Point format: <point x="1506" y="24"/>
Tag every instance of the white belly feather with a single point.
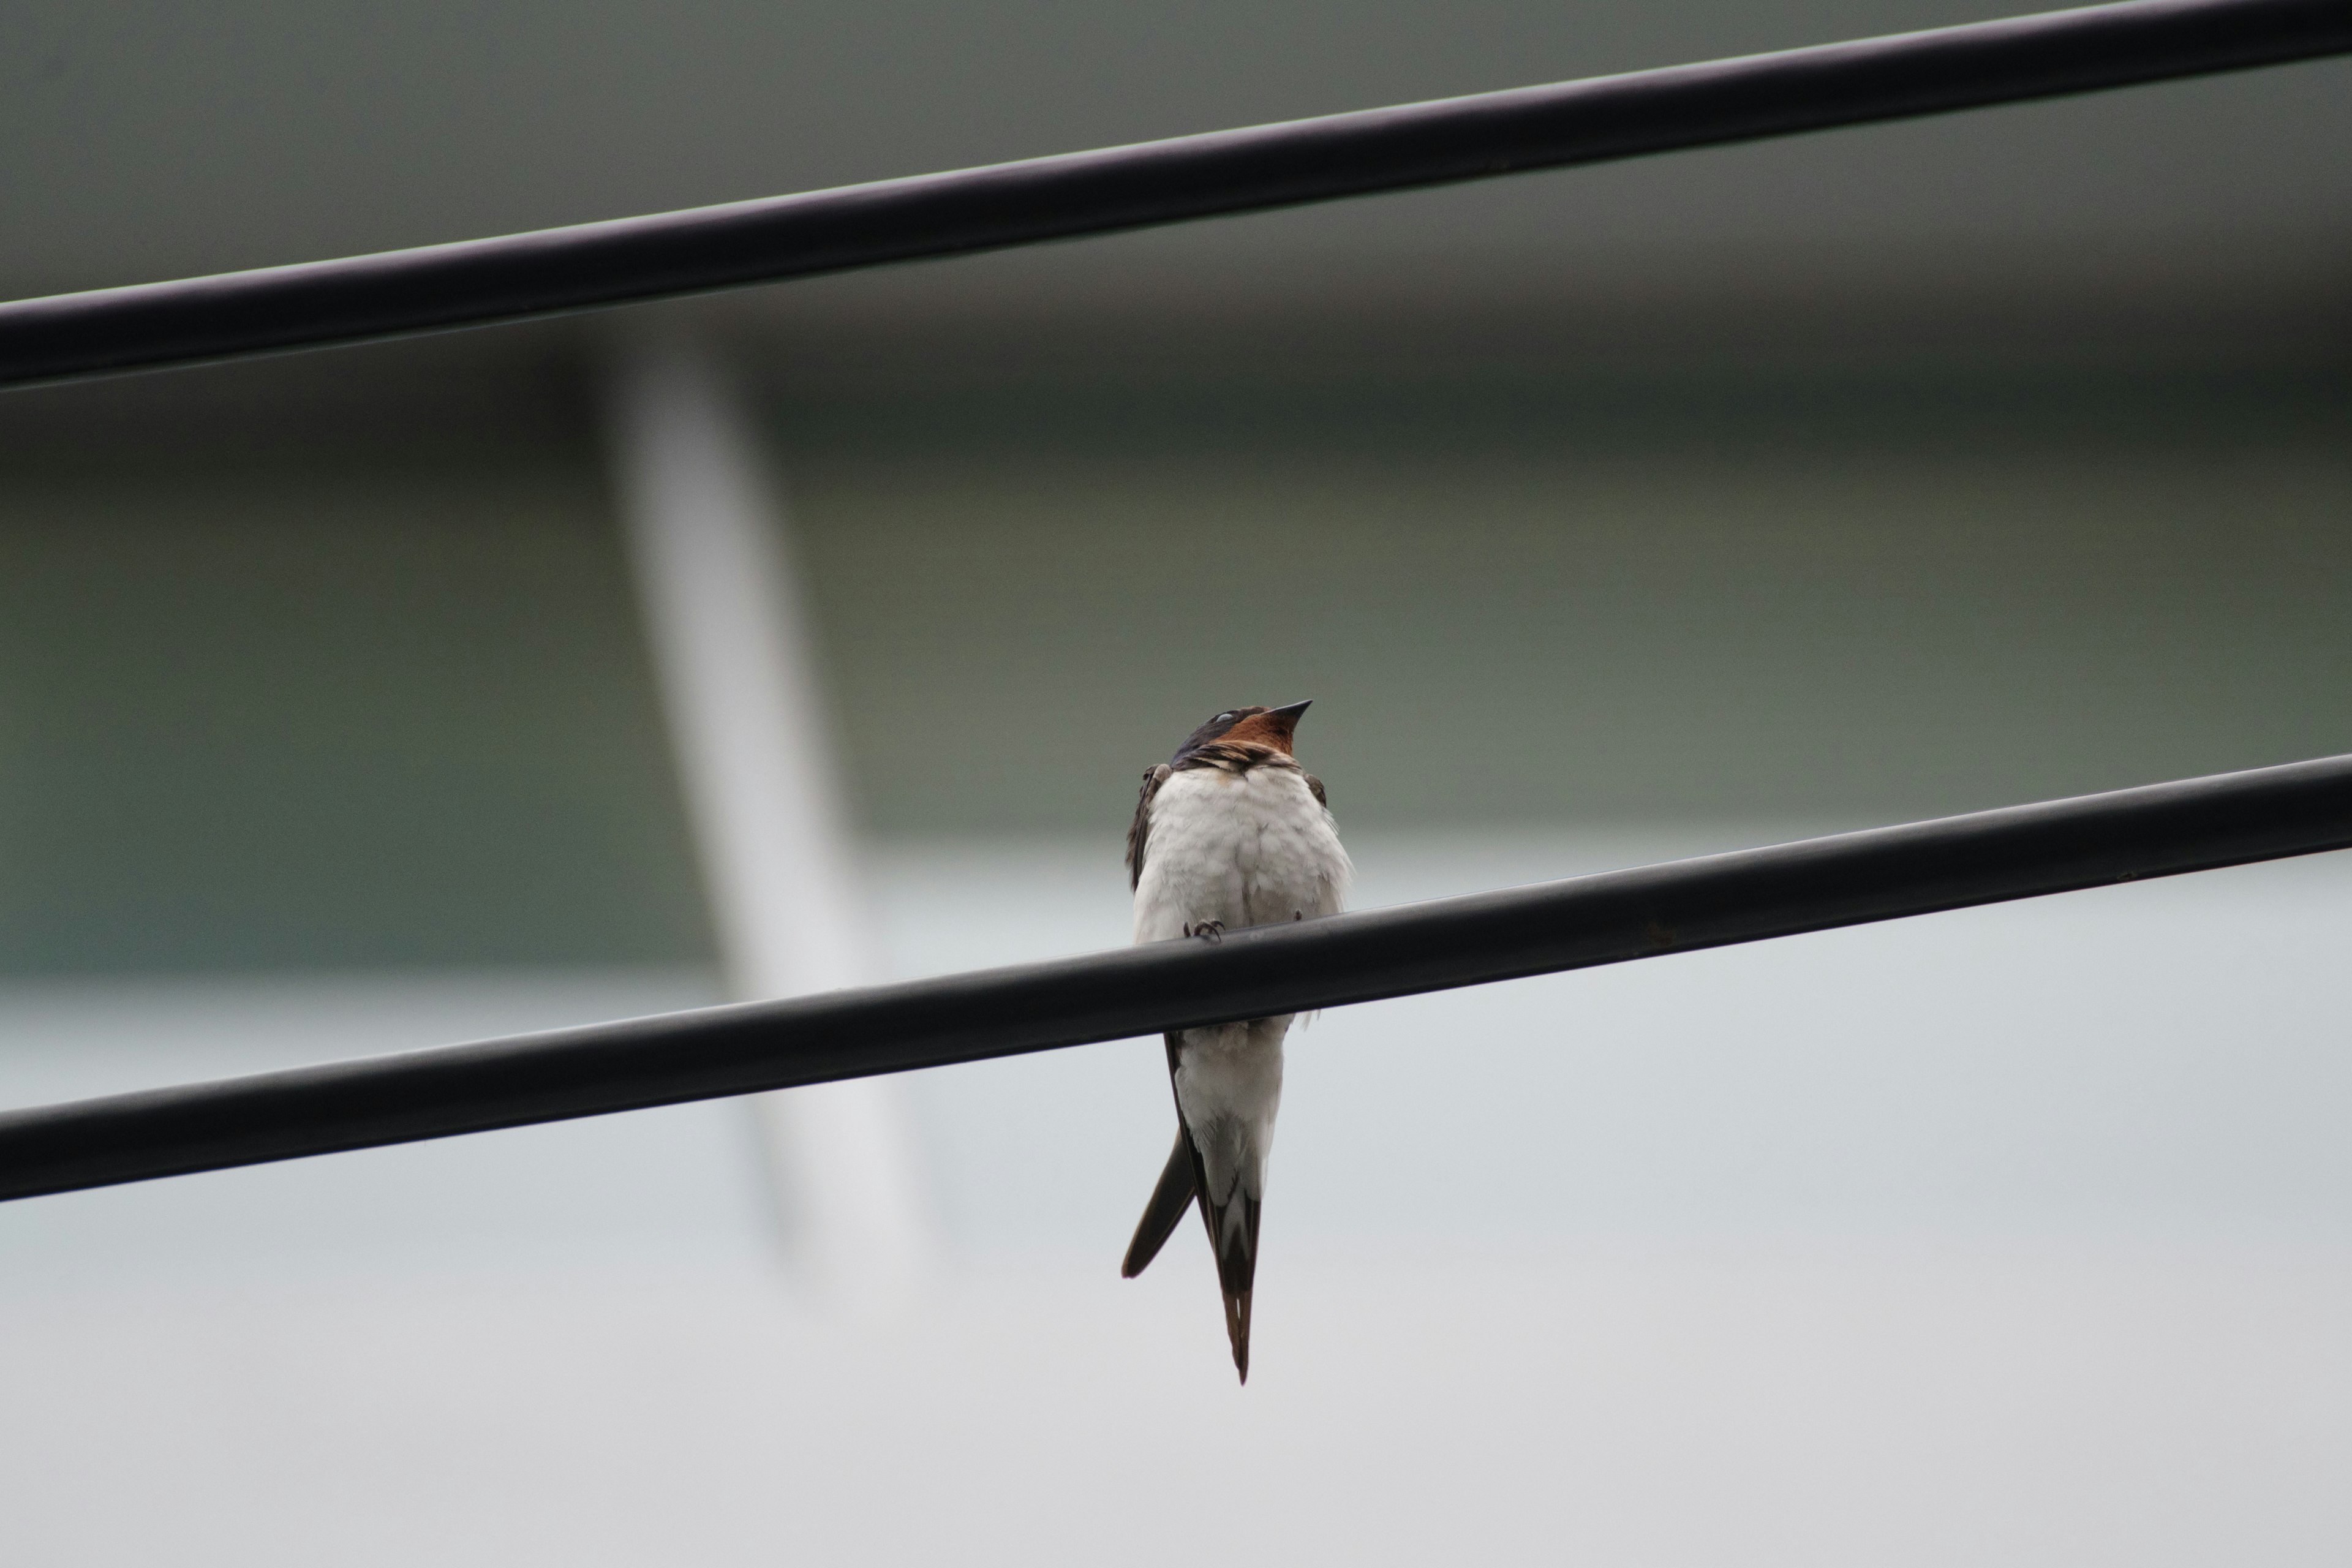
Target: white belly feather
<point x="1248" y="848"/>
<point x="1242" y="849"/>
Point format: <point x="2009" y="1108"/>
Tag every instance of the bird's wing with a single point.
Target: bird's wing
<point x="1178" y="1182"/>
<point x="1169" y="1199"/>
<point x="1139" y="832"/>
<point x="1314" y="788"/>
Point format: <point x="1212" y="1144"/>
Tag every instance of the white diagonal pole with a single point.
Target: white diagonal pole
<point x="706" y="524"/>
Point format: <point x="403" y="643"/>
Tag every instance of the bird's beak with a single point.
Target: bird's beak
<point x="1291" y="712"/>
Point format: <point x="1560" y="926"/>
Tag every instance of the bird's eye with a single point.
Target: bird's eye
<point x="1223" y="719"/>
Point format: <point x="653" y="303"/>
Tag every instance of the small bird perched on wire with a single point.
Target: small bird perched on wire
<point x="1230" y="832"/>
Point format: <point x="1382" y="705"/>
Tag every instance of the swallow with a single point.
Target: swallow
<point x="1229" y="832"/>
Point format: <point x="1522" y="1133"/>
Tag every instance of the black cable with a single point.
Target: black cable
<point x="479" y="281"/>
<point x="1816" y="885"/>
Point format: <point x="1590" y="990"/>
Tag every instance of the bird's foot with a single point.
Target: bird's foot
<point x="1209" y="930"/>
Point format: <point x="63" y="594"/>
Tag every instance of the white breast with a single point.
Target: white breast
<point x="1246" y="848"/>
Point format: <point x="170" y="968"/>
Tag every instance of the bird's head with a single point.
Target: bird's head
<point x="1245" y="726"/>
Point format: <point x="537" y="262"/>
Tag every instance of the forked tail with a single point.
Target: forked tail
<point x="1232" y="1233"/>
<point x="1168" y="1200"/>
<point x="1232" y="1238"/>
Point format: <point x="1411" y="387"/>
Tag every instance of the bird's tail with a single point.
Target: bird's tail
<point x="1168" y="1200"/>
<point x="1232" y="1238"/>
<point x="1233" y="1235"/>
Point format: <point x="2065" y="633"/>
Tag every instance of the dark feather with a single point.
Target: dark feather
<point x="1139" y="832"/>
<point x="1209" y="733"/>
<point x="1169" y="1199"/>
<point x="1233" y="1238"/>
<point x="1314" y="788"/>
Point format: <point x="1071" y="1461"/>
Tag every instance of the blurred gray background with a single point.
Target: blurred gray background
<point x="1606" y="515"/>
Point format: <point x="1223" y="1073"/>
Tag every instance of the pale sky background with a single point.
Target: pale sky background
<point x="1606" y="516"/>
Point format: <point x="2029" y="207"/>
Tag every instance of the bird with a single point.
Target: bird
<point x="1229" y="832"/>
